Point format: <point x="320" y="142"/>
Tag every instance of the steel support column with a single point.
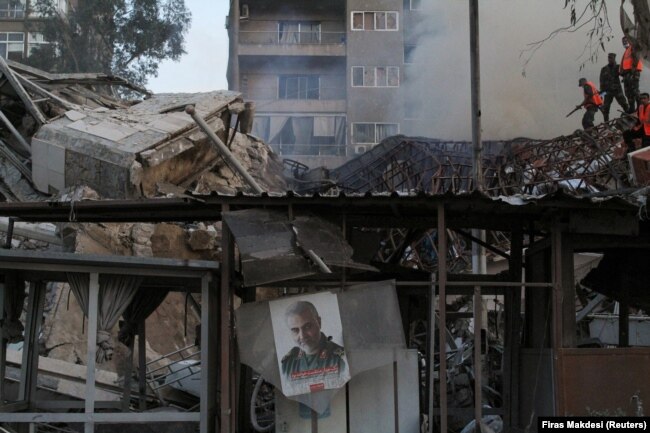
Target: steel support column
<point x="3" y="341"/>
<point x="93" y="316"/>
<point x="225" y="319"/>
<point x="142" y="365"/>
<point x="512" y="306"/>
<point x="442" y="313"/>
<point x="209" y="316"/>
<point x="29" y="367"/>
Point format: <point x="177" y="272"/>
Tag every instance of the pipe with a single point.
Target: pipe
<point x="321" y="264"/>
<point x="15" y="132"/>
<point x="223" y="149"/>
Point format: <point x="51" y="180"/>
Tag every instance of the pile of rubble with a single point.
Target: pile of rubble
<point x="74" y="137"/>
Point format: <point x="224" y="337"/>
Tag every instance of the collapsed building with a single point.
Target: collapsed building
<point x="156" y="210"/>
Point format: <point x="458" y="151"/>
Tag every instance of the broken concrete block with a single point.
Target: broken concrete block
<point x="202" y="240"/>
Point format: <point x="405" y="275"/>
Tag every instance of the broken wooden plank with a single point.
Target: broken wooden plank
<point x="22" y="94"/>
<point x="41" y="91"/>
<point x="7" y="153"/>
<point x="15" y="132"/>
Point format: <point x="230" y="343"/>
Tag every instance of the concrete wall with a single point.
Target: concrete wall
<point x="261" y="63"/>
<point x="374" y="48"/>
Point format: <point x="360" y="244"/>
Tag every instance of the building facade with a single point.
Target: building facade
<point x="19" y="27"/>
<point x="327" y="77"/>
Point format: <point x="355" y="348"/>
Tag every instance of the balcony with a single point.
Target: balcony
<point x="275" y="43"/>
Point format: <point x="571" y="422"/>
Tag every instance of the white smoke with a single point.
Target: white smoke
<point x="512" y="105"/>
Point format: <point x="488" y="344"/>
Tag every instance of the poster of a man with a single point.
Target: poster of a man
<point x="310" y="359"/>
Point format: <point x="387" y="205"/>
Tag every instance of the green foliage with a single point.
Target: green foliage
<point x="121" y="37"/>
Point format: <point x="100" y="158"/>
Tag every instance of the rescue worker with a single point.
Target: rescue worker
<point x="591" y="103"/>
<point x="630" y="70"/>
<point x="315" y="355"/>
<point x="610" y="86"/>
<point x="642" y="128"/>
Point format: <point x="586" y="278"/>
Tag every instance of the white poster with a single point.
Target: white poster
<point x="309" y="342"/>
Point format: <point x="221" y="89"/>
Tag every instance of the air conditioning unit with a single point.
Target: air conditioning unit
<point x="244" y="12"/>
<point x="359" y="149"/>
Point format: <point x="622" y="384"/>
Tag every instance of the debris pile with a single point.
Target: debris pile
<point x="74" y="137"/>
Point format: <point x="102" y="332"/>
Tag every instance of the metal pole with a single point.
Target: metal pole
<point x="478" y="252"/>
<point x="223" y="149"/>
<point x="442" y="314"/>
<point x="477" y="172"/>
<point x="19" y="138"/>
<point x="233" y="33"/>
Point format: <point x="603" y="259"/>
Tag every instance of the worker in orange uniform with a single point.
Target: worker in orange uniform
<point x="630" y="70"/>
<point x="642" y="128"/>
<point x="591" y="103"/>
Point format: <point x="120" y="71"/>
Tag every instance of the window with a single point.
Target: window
<point x="299" y="87"/>
<point x="375" y="76"/>
<point x="409" y="53"/>
<point x="35" y="40"/>
<point x="413" y="5"/>
<point x="12" y="9"/>
<point x="12" y="45"/>
<point x="373" y="133"/>
<point x="299" y="32"/>
<point x="380" y="21"/>
<point x="303" y="135"/>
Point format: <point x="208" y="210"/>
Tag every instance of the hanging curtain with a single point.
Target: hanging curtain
<point x="143" y="304"/>
<point x="289" y="33"/>
<point x="12" y="328"/>
<point x="261" y="125"/>
<point x="324" y="126"/>
<point x="276" y="126"/>
<point x="115" y="294"/>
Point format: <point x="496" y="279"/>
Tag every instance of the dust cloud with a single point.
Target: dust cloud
<point x="513" y="105"/>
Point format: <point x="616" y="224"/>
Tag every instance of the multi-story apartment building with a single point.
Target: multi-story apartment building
<point x="327" y="77"/>
<point x="18" y="28"/>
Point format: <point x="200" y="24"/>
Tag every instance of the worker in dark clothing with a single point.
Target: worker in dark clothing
<point x="630" y="70"/>
<point x="642" y="128"/>
<point x="610" y="86"/>
<point x="591" y="102"/>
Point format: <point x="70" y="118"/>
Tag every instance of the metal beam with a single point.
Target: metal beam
<point x="442" y="313"/>
<point x="22" y="94"/>
<point x="102" y="418"/>
<point x="3" y="341"/>
<point x="225" y="366"/>
<point x="223" y="150"/>
<point x="209" y="315"/>
<point x="29" y="367"/>
<point x="19" y="138"/>
<point x="142" y="365"/>
<point x="93" y="316"/>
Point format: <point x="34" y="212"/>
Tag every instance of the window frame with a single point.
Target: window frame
<point x="7" y="42"/>
<point x="354" y="124"/>
<point x="386" y="15"/>
<point x="14" y="13"/>
<point x="306" y="78"/>
<point x="319" y="33"/>
<point x="35" y="44"/>
<point x="376" y="85"/>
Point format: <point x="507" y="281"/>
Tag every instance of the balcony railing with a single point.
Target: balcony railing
<point x="291" y="38"/>
<point x="309" y="149"/>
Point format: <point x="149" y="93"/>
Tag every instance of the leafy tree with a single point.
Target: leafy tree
<point x="128" y="38"/>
